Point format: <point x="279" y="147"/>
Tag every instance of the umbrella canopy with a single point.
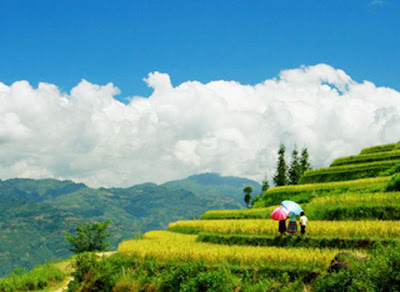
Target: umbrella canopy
<point x="279" y="214"/>
<point x="292" y="207"/>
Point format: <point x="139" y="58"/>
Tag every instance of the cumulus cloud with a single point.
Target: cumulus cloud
<point x="222" y="126"/>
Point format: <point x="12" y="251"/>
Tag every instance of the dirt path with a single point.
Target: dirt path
<point x="70" y="278"/>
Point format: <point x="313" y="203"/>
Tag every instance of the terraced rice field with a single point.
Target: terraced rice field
<point x="166" y="245"/>
<point x="345" y="229"/>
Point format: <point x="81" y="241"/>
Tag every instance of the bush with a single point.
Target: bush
<point x="381" y="272"/>
<point x="394" y="184"/>
<point x="39" y="278"/>
<point x="89" y="237"/>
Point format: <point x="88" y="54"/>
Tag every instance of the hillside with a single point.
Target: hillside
<point x="353" y="218"/>
<point x="34" y="213"/>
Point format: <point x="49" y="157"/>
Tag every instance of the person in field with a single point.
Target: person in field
<point x="303" y="223"/>
<point x="292" y="228"/>
<point x="282" y="227"/>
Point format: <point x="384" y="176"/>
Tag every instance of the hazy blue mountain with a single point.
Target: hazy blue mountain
<point x="34" y="213"/>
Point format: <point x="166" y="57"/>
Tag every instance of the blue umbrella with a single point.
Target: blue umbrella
<point x="292" y="207"/>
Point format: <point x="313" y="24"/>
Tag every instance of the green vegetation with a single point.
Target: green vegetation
<point x="132" y="273"/>
<point x="305" y="193"/>
<point x="347" y="172"/>
<point x="280" y="177"/>
<point x="247" y="195"/>
<point x="40" y="277"/>
<point x="291" y="241"/>
<point x="379" y="148"/>
<point x="34" y="213"/>
<point x="89" y="237"/>
<point x="261" y="213"/>
<point x="373" y="157"/>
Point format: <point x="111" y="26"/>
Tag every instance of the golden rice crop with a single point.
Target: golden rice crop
<point x="166" y="245"/>
<point x="329" y="185"/>
<point x="357" y="199"/>
<point x="254" y="211"/>
<point x="345" y="229"/>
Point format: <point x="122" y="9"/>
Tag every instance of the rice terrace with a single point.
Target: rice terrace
<point x="351" y="241"/>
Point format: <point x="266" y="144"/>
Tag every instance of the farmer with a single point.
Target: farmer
<point x="292" y="228"/>
<point x="282" y="227"/>
<point x="303" y="223"/>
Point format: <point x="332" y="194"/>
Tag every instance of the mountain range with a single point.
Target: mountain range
<point x="35" y="213"/>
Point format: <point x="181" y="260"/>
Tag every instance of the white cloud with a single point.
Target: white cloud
<point x="377" y="3"/>
<point x="221" y="126"/>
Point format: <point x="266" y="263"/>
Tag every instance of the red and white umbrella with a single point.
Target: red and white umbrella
<point x="279" y="214"/>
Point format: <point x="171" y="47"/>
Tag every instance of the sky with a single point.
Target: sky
<point x="114" y="93"/>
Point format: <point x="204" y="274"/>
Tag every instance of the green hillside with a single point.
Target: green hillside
<point x="353" y="218"/>
<point x="34" y="213"/>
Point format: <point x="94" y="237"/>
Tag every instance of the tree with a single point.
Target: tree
<point x="305" y="163"/>
<point x="247" y="196"/>
<point x="294" y="172"/>
<point x="280" y="178"/>
<point x="265" y="184"/>
<point x="89" y="237"/>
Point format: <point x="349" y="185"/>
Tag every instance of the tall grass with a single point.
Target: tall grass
<point x="39" y="278"/>
<point x="347" y="172"/>
<point x="373" y="157"/>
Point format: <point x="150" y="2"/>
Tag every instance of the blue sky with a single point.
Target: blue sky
<point x="61" y="42"/>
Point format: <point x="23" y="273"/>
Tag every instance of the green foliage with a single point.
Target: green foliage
<point x="373" y="157"/>
<point x="305" y="163"/>
<point x="280" y="178"/>
<point x="346" y="172"/>
<point x="391" y="171"/>
<point x="291" y="241"/>
<point x="394" y="184"/>
<point x="265" y="184"/>
<point x="132" y="273"/>
<point x="294" y="172"/>
<point x="89" y="237"/>
<point x="380" y="148"/>
<point x="39" y="278"/>
<point x="247" y="197"/>
<point x="380" y="272"/>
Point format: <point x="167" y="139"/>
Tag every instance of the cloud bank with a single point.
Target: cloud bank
<point x="222" y="126"/>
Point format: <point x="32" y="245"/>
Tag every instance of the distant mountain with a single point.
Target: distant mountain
<point x="34" y="213"/>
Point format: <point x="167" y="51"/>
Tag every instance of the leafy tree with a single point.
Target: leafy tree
<point x="294" y="172"/>
<point x="305" y="163"/>
<point x="247" y="196"/>
<point x="280" y="178"/>
<point x="89" y="237"/>
<point x="265" y="184"/>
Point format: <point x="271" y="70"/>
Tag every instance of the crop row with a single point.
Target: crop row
<point x="291" y="241"/>
<point x="380" y="148"/>
<point x="305" y="193"/>
<point x="345" y="229"/>
<point x="382" y="206"/>
<point x="254" y="213"/>
<point x="373" y="157"/>
<point x="347" y="172"/>
<point x="165" y="245"/>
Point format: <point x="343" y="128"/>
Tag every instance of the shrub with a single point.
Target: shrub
<point x="394" y="184"/>
<point x="40" y="277"/>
